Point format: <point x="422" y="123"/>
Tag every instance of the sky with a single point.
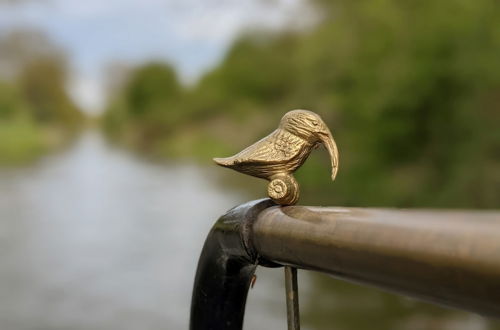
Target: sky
<point x="192" y="35"/>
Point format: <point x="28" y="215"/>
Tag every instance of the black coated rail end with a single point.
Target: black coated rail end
<point x="225" y="269"/>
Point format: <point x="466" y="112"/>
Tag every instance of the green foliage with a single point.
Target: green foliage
<point x="147" y="110"/>
<point x="256" y="70"/>
<point x="152" y="87"/>
<point x="36" y="112"/>
<point x="42" y="83"/>
<point x="411" y="90"/>
<point x="20" y="141"/>
<point x="11" y="104"/>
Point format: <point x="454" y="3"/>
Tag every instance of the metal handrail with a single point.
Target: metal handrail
<point x="225" y="269"/>
<point x="450" y="258"/>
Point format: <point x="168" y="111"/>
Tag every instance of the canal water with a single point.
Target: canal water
<point x="96" y="238"/>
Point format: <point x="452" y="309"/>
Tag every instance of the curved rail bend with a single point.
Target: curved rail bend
<point x="225" y="269"/>
<point x="450" y="258"/>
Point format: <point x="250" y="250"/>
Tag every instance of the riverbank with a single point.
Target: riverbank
<point x="22" y="142"/>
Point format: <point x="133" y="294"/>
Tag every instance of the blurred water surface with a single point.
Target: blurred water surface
<point x="95" y="238"/>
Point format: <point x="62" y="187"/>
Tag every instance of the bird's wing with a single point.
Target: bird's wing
<point x="279" y="146"/>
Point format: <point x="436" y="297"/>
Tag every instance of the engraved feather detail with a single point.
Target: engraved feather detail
<point x="282" y="152"/>
<point x="277" y="147"/>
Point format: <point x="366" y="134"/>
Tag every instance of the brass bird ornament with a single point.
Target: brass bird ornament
<point x="282" y="152"/>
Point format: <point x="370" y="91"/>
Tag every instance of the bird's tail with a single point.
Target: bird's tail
<point x="223" y="161"/>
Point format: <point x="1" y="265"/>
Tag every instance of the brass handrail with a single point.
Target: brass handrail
<point x="447" y="257"/>
<point x="450" y="258"/>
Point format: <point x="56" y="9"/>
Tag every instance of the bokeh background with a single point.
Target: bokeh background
<point x="110" y="113"/>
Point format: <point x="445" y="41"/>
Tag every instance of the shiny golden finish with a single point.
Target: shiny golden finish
<point x="282" y="152"/>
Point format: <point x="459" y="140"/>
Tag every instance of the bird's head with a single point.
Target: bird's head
<point x="309" y="126"/>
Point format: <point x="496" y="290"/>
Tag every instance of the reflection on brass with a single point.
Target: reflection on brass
<point x="446" y="257"/>
<point x="282" y="152"/>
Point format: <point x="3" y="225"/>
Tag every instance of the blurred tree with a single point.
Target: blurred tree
<point x="29" y="59"/>
<point x="43" y="84"/>
<point x="413" y="78"/>
<point x="36" y="111"/>
<point x="11" y="103"/>
<point x="146" y="110"/>
<point x="256" y="70"/>
<point x="150" y="88"/>
<point x="19" y="47"/>
<point x="410" y="90"/>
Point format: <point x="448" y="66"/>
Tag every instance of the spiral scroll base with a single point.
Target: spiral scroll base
<point x="283" y="189"/>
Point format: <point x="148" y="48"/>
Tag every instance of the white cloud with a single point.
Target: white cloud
<point x="87" y="91"/>
<point x="191" y="34"/>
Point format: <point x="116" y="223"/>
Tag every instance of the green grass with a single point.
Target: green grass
<point x="21" y="141"/>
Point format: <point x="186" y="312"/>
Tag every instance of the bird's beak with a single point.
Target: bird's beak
<point x="330" y="145"/>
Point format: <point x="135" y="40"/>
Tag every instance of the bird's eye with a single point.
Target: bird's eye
<point x="314" y="122"/>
